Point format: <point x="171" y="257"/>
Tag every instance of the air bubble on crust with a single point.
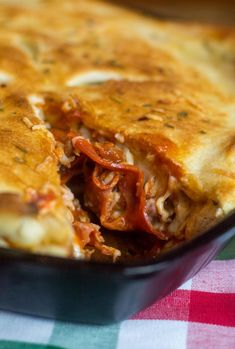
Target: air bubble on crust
<point x="5" y="78"/>
<point x="93" y="77"/>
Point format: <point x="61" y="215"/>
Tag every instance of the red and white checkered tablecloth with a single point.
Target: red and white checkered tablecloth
<point x="200" y="314"/>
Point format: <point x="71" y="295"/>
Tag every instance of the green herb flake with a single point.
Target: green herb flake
<point x="46" y="71"/>
<point x="96" y="44"/>
<point x="206" y="121"/>
<point x="143" y="118"/>
<point x="116" y="100"/>
<point x="147" y="105"/>
<point x="182" y="114"/>
<point x="19" y="160"/>
<point x="207" y="45"/>
<point x="115" y="63"/>
<point x="32" y="47"/>
<point x="93" y="83"/>
<point x="48" y="61"/>
<point x="21" y="148"/>
<point x="96" y="62"/>
<point x="169" y="126"/>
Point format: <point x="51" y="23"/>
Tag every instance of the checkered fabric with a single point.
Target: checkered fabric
<point x="199" y="315"/>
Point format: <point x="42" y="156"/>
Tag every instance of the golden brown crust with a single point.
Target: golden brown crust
<point x="24" y="150"/>
<point x="52" y="41"/>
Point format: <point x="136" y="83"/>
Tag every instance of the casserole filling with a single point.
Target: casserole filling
<point x="123" y="198"/>
<point x="125" y="189"/>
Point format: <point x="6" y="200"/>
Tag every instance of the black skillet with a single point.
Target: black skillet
<point x="102" y="292"/>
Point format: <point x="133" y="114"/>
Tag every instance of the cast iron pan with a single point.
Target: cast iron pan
<point x="98" y="292"/>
